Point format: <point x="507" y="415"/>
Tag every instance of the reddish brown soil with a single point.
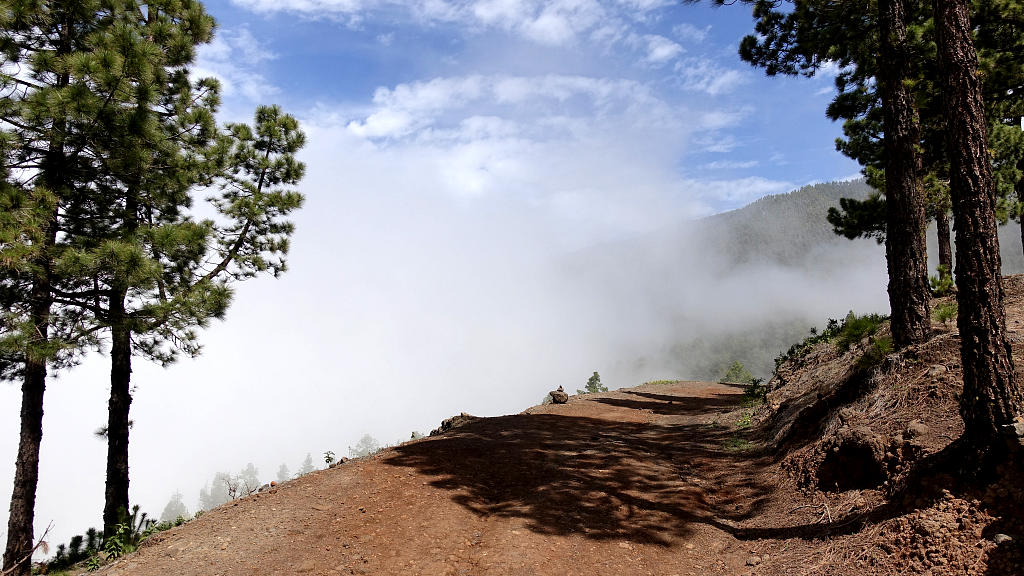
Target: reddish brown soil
<point x="637" y="481"/>
<point x="660" y="479"/>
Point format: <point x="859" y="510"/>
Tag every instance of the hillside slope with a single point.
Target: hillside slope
<point x="847" y="469"/>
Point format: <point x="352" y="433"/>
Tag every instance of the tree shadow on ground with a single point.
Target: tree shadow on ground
<point x="666" y="405"/>
<point x="598" y="478"/>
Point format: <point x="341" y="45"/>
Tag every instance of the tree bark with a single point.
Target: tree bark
<point x="945" y="246"/>
<point x="991" y="398"/>
<point x="115" y="506"/>
<point x="20" y="530"/>
<point x="18" y="554"/>
<point x="1019" y="189"/>
<point x="906" y="247"/>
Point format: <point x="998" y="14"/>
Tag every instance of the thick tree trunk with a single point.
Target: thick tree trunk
<point x="20" y="532"/>
<point x="906" y="247"/>
<point x="115" y="505"/>
<point x="945" y="248"/>
<point x="17" y="556"/>
<point x="1019" y="188"/>
<point x="991" y="398"/>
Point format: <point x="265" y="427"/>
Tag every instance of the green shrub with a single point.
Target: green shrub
<point x="942" y="285"/>
<point x="850" y="331"/>
<point x="856" y="328"/>
<point x="876" y="352"/>
<point x="746" y="420"/>
<point x="945" y="311"/>
<point x="755" y="390"/>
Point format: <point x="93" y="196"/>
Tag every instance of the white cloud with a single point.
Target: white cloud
<point x="703" y="75"/>
<point x="235" y="58"/>
<point x="690" y="33"/>
<point x="738" y="192"/>
<point x="546" y="22"/>
<point x="731" y="164"/>
<point x="551" y="104"/>
<point x="661" y="50"/>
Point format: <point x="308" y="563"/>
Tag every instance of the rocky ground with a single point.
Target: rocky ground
<point x="848" y="468"/>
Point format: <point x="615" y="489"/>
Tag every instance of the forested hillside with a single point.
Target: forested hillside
<point x="744" y="285"/>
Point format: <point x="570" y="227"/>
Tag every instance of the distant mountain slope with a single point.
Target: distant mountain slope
<point x="783" y="228"/>
<point x="743" y="285"/>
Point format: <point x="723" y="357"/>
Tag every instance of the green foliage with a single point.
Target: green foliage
<point x="660" y="382"/>
<point x="801" y="348"/>
<point x="755" y="391"/>
<point x="737" y="444"/>
<point x="859" y="218"/>
<point x="856" y="328"/>
<point x="945" y="311"/>
<point x="736" y="374"/>
<point x="850" y="331"/>
<point x="329" y="457"/>
<point x="942" y="284"/>
<point x="746" y="420"/>
<point x="128" y="534"/>
<point x="877" y="350"/>
<point x="593" y="385"/>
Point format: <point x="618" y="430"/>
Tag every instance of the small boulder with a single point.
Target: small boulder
<point x="915" y="429"/>
<point x="559" y="396"/>
<point x="1001" y="539"/>
<point x="453" y="423"/>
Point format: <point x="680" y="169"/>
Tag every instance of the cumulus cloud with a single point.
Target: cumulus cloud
<point x="235" y="58"/>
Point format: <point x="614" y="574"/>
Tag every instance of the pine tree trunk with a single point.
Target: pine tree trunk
<point x="945" y="247"/>
<point x="991" y="398"/>
<point x="1019" y="188"/>
<point x="115" y="505"/>
<point x="20" y="530"/>
<point x="17" y="557"/>
<point x="906" y="247"/>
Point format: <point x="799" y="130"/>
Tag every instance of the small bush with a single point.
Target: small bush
<point x="746" y="420"/>
<point x="856" y="328"/>
<point x="737" y="444"/>
<point x="756" y="390"/>
<point x="945" y="311"/>
<point x="942" y="285"/>
<point x="876" y="352"/>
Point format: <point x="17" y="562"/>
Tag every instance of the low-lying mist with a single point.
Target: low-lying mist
<point x="402" y="309"/>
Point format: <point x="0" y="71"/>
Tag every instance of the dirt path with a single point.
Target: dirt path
<point x="649" y="480"/>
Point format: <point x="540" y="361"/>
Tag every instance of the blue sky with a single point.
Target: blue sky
<point x="650" y="77"/>
<point x="460" y="153"/>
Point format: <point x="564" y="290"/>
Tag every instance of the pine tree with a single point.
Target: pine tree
<point x="53" y="96"/>
<point x="307" y="465"/>
<point x="992" y="400"/>
<point x="174" y="509"/>
<point x="283" y="474"/>
<point x="868" y="41"/>
<point x="593" y="385"/>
